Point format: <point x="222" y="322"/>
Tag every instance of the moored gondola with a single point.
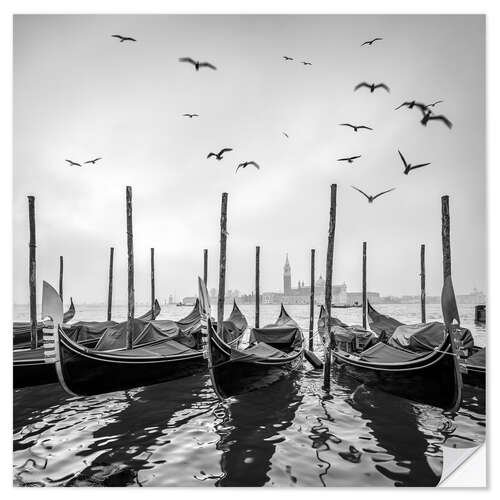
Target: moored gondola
<point x="22" y="329"/>
<point x="161" y="350"/>
<point x="426" y="370"/>
<point x="273" y="352"/>
<point x="31" y="366"/>
<point x="472" y="358"/>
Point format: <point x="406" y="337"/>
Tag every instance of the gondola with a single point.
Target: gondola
<point x="273" y="352"/>
<point x="22" y="329"/>
<point x="30" y="365"/>
<point x="161" y="350"/>
<point x="473" y="358"/>
<point x="428" y="374"/>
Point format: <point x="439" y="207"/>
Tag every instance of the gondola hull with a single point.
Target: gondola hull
<point x="432" y="379"/>
<point x="85" y="373"/>
<point x="233" y="377"/>
<point x="30" y="369"/>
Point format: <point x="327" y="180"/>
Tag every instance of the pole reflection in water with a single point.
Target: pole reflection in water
<point x="251" y="429"/>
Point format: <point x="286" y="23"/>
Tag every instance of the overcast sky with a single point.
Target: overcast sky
<point x="80" y="94"/>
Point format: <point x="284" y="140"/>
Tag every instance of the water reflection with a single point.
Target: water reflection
<point x="250" y="430"/>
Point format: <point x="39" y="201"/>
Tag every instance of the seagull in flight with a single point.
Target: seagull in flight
<point x="246" y="164"/>
<point x="73" y="163"/>
<point x="429" y="115"/>
<point x="190" y="115"/>
<point x="371" y="199"/>
<point x="306" y="63"/>
<point x="286" y="135"/>
<point x="197" y="64"/>
<point x="349" y="159"/>
<point x="92" y="161"/>
<point x="410" y="104"/>
<point x="356" y="127"/>
<point x="124" y="38"/>
<point x="219" y="155"/>
<point x="409" y="166"/>
<point x="286" y="58"/>
<point x="434" y="104"/>
<point x="372" y="86"/>
<point x="370" y="42"/>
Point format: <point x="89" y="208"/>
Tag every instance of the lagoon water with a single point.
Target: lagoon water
<point x="290" y="434"/>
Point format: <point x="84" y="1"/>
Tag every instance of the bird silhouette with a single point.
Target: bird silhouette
<point x="349" y="159"/>
<point x="190" y="115"/>
<point x="428" y="115"/>
<point x="409" y="104"/>
<point x="409" y="166"/>
<point x="219" y="154"/>
<point x="286" y="58"/>
<point x="434" y="104"/>
<point x="286" y="135"/>
<point x="371" y="199"/>
<point x="73" y="163"/>
<point x="245" y="164"/>
<point x="372" y="86"/>
<point x="124" y="38"/>
<point x="197" y="64"/>
<point x="306" y="63"/>
<point x="369" y="42"/>
<point x="355" y="127"/>
<point x="92" y="161"/>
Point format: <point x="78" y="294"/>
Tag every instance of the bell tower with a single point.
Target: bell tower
<point x="287" y="277"/>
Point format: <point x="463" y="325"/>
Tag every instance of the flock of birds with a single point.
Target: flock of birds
<point x="426" y="110"/>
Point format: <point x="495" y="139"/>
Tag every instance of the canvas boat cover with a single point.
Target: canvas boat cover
<point x="478" y="358"/>
<point x="418" y="338"/>
<point x="381" y="323"/>
<point x="186" y="331"/>
<point x="351" y="333"/>
<point x="382" y="353"/>
<point x="257" y="352"/>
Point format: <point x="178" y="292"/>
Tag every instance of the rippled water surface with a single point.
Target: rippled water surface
<point x="290" y="434"/>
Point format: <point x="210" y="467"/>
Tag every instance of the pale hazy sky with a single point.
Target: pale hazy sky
<point x="79" y="94"/>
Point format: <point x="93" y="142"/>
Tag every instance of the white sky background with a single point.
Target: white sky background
<point x="78" y="94"/>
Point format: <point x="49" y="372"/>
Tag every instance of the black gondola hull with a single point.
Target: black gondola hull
<point x="90" y="373"/>
<point x="233" y="377"/>
<point x="475" y="376"/>
<point x="37" y="372"/>
<point x="434" y="379"/>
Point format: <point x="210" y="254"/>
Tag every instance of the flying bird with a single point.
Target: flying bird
<point x="429" y="115"/>
<point x="190" y="115"/>
<point x="73" y="163"/>
<point x="371" y="199"/>
<point x="369" y="42"/>
<point x="306" y="63"/>
<point x="124" y="38"/>
<point x="355" y="127"/>
<point x="409" y="166"/>
<point x="350" y="159"/>
<point x="197" y="64"/>
<point x="219" y="154"/>
<point x="286" y="135"/>
<point x="372" y="86"/>
<point x="410" y="104"/>
<point x="92" y="161"/>
<point x="286" y="58"/>
<point x="246" y="164"/>
<point x="434" y="104"/>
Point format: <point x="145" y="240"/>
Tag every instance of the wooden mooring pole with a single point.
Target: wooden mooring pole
<point x="445" y="236"/>
<point x="364" y="285"/>
<point x="222" y="263"/>
<point x="311" y="304"/>
<point x="328" y="285"/>
<point x="32" y="272"/>
<point x="61" y="270"/>
<point x="257" y="287"/>
<point x="205" y="265"/>
<point x="130" y="255"/>
<point x="422" y="283"/>
<point x="153" y="281"/>
<point x="110" y="280"/>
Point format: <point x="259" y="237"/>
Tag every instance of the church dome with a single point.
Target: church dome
<point x="320" y="282"/>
